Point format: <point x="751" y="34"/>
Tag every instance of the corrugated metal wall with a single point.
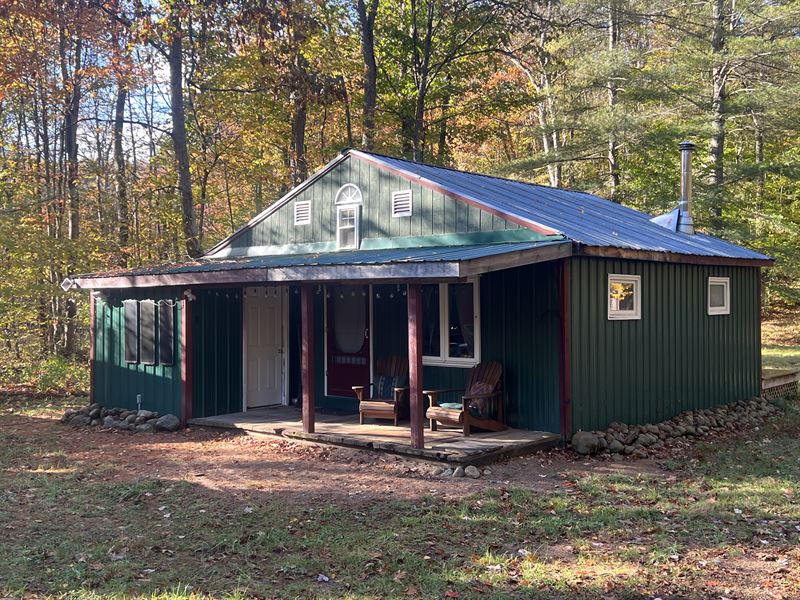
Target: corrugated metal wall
<point x="117" y="383"/>
<point x="217" y="352"/>
<point x="433" y="214"/>
<point x="675" y="358"/>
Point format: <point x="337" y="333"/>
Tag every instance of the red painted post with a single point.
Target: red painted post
<point x="415" y="364"/>
<point x="186" y="360"/>
<point x="307" y="355"/>
<point x="92" y="302"/>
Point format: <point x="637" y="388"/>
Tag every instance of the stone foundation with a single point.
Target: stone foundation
<point x="142" y="421"/>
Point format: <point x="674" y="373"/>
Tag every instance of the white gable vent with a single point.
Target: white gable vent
<point x="302" y="212"/>
<point x="401" y="203"/>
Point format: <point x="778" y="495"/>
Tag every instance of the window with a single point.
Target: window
<point x="624" y="297"/>
<point x="719" y="296"/>
<point x="302" y="212"/>
<point x="347" y="227"/>
<point x="401" y="204"/>
<point x="451" y="324"/>
<point x="143" y="339"/>
<point x="348" y="194"/>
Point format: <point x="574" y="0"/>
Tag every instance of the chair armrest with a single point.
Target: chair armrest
<point x="433" y="395"/>
<point x="359" y="391"/>
<point x="474" y="396"/>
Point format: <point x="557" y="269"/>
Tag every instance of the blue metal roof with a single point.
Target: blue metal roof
<point x="341" y="258"/>
<point x="583" y="218"/>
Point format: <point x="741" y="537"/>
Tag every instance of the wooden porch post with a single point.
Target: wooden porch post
<point x="415" y="364"/>
<point x="92" y="302"/>
<point x="307" y="355"/>
<point x="186" y="360"/>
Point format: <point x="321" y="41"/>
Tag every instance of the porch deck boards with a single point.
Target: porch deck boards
<point x="447" y="445"/>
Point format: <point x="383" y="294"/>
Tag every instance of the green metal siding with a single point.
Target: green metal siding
<point x="217" y="351"/>
<point x="115" y="382"/>
<point x="675" y="358"/>
<point x="433" y="213"/>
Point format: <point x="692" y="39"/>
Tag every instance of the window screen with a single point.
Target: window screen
<point x="147" y="332"/>
<point x="461" y="313"/>
<point x="131" y="311"/>
<point x="431" y="342"/>
<point x="166" y="335"/>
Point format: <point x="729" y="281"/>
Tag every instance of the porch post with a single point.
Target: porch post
<point x="307" y="355"/>
<point x="186" y="358"/>
<point x="92" y="302"/>
<point x="415" y="363"/>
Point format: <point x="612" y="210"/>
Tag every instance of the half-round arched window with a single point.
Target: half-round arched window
<point x="348" y="194"/>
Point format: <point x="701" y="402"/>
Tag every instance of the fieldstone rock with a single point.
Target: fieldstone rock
<point x="95" y="422"/>
<point x="80" y="420"/>
<point x="94" y="413"/>
<point x="68" y="414"/>
<point x="472" y="471"/>
<point x="603" y="444"/>
<point x="690" y="430"/>
<point x="146" y="414"/>
<point x="647" y="439"/>
<point x="640" y="452"/>
<point x="628" y="450"/>
<point x="459" y="472"/>
<point x="585" y="442"/>
<point x="146" y="428"/>
<point x="631" y="436"/>
<point x="487" y="471"/>
<point x="447" y="473"/>
<point x="168" y="423"/>
<point x="139" y="420"/>
<point x="616" y="447"/>
<point x="109" y="421"/>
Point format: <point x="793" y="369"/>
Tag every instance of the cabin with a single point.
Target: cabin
<point x="595" y="312"/>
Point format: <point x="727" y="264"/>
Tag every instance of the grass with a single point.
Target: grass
<point x="781" y="341"/>
<point x="73" y="532"/>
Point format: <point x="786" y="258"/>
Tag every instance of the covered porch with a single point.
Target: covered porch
<point x="447" y="445"/>
<point x="297" y="332"/>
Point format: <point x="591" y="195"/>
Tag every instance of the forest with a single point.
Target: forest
<point x="134" y="132"/>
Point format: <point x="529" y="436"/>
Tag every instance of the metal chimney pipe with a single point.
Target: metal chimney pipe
<point x="685" y="221"/>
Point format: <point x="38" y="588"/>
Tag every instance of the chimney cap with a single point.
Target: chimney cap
<point x="687" y="145"/>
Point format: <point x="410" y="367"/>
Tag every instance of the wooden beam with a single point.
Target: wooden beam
<point x="509" y="260"/>
<point x="92" y="333"/>
<point x="415" y="364"/>
<point x="186" y="360"/>
<point x="404" y="271"/>
<point x="256" y="275"/>
<point x="671" y="257"/>
<point x="307" y="356"/>
<point x="565" y="379"/>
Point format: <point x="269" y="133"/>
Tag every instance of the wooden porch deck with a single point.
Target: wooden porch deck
<point x="447" y="445"/>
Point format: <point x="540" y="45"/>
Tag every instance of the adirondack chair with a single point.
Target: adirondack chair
<point x="387" y="396"/>
<point x="481" y="403"/>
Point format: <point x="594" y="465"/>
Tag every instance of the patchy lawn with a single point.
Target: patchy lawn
<point x="780" y="338"/>
<point x="95" y="514"/>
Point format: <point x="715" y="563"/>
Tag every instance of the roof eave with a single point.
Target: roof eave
<point x="670" y="257"/>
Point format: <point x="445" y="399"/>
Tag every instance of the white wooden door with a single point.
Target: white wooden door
<point x="264" y="346"/>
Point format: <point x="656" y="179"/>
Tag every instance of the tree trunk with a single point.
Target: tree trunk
<point x="613" y="165"/>
<point x="719" y="77"/>
<point x="120" y="181"/>
<point x="182" y="165"/>
<point x="366" y="20"/>
<point x="298" y="165"/>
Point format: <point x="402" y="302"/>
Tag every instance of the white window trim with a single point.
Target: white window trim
<point x="444" y="329"/>
<point x="719" y="310"/>
<point x="357" y="226"/>
<point x="625" y="315"/>
<point x="400" y="196"/>
<point x="299" y="205"/>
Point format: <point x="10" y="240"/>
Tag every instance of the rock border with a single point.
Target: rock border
<point x="139" y="421"/>
<point x="640" y="441"/>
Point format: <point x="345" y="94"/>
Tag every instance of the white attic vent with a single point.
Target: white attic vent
<point x="302" y="212"/>
<point x="401" y="203"/>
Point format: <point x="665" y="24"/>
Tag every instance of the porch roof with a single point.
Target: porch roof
<point x="393" y="264"/>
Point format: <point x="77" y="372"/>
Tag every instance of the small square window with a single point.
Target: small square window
<point x="624" y="297"/>
<point x="719" y="296"/>
<point x="401" y="204"/>
<point x="302" y="212"/>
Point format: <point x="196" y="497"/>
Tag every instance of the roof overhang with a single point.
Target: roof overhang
<point x="671" y="257"/>
<point x="229" y="273"/>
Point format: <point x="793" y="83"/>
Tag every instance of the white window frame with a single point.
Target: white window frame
<point x="719" y="310"/>
<point x="625" y="315"/>
<point x="444" y="328"/>
<point x="340" y="199"/>
<point x="300" y="205"/>
<point x="402" y="196"/>
<point x="356" y="208"/>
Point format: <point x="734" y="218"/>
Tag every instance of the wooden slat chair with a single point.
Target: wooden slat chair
<point x="481" y="403"/>
<point x="389" y="402"/>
